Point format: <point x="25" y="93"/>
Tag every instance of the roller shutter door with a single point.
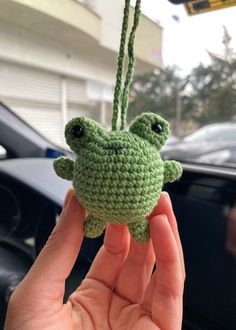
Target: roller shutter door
<point x="34" y="95"/>
<point x="77" y="100"/>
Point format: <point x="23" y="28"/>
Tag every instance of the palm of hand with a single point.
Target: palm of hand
<point x="110" y="311"/>
<point x="119" y="291"/>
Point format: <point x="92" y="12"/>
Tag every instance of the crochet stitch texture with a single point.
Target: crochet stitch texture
<point x="118" y="176"/>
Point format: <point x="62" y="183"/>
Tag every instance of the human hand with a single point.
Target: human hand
<point x="119" y="291"/>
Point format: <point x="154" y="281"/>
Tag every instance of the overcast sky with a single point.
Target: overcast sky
<point x="186" y="41"/>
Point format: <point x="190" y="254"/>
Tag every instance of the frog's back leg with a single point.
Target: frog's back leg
<point x="139" y="230"/>
<point x="172" y="170"/>
<point x="93" y="227"/>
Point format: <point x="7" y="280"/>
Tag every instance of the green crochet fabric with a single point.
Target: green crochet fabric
<point x="118" y="176"/>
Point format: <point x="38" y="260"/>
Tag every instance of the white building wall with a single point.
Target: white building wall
<point x="111" y="13"/>
<point x="55" y="71"/>
<point x="21" y="46"/>
<point x="32" y="69"/>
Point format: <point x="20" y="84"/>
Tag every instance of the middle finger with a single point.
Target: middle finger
<point x="136" y="272"/>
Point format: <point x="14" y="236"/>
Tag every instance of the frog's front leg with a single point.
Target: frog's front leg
<point x="93" y="227"/>
<point x="64" y="167"/>
<point x="172" y="170"/>
<point x="139" y="230"/>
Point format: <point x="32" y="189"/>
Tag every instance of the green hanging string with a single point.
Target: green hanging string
<point x="120" y="66"/>
<point x="118" y="94"/>
<point x="130" y="71"/>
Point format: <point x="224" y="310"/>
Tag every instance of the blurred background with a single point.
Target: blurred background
<point x="58" y="60"/>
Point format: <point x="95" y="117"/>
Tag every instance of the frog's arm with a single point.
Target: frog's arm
<point x="172" y="170"/>
<point x="64" y="167"/>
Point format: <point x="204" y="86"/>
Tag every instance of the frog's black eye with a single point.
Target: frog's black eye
<point x="77" y="131"/>
<point x="157" y="128"/>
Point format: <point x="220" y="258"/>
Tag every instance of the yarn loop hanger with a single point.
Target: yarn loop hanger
<point x="121" y="96"/>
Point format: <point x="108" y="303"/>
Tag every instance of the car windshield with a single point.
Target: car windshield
<point x="59" y="61"/>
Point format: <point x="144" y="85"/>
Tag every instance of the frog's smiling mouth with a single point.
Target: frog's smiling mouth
<point x="115" y="148"/>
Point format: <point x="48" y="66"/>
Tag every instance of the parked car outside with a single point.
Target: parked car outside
<point x="211" y="144"/>
<point x="171" y="140"/>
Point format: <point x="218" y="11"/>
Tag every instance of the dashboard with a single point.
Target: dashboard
<point x="204" y="201"/>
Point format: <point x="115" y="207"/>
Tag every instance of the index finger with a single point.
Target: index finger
<point x="46" y="278"/>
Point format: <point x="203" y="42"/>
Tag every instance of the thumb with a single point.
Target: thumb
<point x="46" y="278"/>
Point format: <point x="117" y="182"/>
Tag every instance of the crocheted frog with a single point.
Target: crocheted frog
<point x="118" y="175"/>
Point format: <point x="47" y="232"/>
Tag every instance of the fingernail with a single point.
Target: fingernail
<point x="159" y="217"/>
<point x="166" y="195"/>
<point x="67" y="198"/>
